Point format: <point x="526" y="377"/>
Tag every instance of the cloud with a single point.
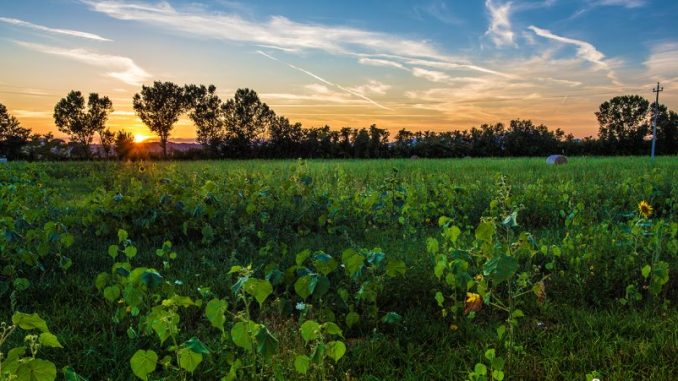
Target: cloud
<point x="440" y="11"/>
<point x="279" y="33"/>
<point x="372" y="87"/>
<point x="500" y="24"/>
<point x="355" y="93"/>
<point x="27" y="114"/>
<point x="661" y="64"/>
<point x="585" y="50"/>
<point x="41" y="28"/>
<point x="621" y="3"/>
<point x="380" y="62"/>
<point x="431" y="75"/>
<point x="121" y="68"/>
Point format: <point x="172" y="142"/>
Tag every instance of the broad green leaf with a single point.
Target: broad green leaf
<point x="646" y="271"/>
<point x="302" y="256"/>
<point x="215" y="312"/>
<point x="188" y="359"/>
<point x="440" y="298"/>
<point x="259" y="288"/>
<point x="310" y="330"/>
<point x="485" y="231"/>
<point x="143" y="363"/>
<point x="332" y="329"/>
<point x="21" y="284"/>
<point x="305" y="286"/>
<point x="395" y="267"/>
<point x="497" y="375"/>
<point x="267" y="344"/>
<point x="336" y="350"/>
<point x="112" y="293"/>
<point x="196" y="345"/>
<point x="71" y="375"/>
<point x="122" y="235"/>
<point x="353" y="262"/>
<point x="352" y="319"/>
<point x="324" y="263"/>
<point x="452" y="233"/>
<point x="28" y="322"/>
<point x="130" y="252"/>
<point x="391" y="318"/>
<point x="113" y="251"/>
<point x="151" y="279"/>
<point x="302" y="363"/>
<point x="47" y="339"/>
<point x="241" y="334"/>
<point x="480" y="369"/>
<point x="35" y="370"/>
<point x="500" y="268"/>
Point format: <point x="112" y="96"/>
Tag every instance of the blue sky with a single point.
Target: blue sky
<point x="435" y="65"/>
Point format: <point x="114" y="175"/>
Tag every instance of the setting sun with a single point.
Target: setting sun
<point x="139" y="138"/>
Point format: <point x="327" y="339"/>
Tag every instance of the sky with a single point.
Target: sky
<point x="418" y="64"/>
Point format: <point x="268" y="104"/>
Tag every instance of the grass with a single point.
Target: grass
<point x="563" y="339"/>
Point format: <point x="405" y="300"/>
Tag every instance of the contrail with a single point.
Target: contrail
<point x="361" y="96"/>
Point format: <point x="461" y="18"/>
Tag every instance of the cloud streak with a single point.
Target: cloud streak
<point x="585" y="50"/>
<point x="121" y="68"/>
<point x="500" y="24"/>
<point x="42" y="28"/>
<point x="347" y="90"/>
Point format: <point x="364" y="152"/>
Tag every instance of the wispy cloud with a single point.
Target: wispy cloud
<point x="28" y="114"/>
<point x="42" y="28"/>
<point x="120" y="68"/>
<point x="500" y="24"/>
<point x="440" y="11"/>
<point x="281" y="33"/>
<point x="661" y="64"/>
<point x="621" y="3"/>
<point x="381" y="62"/>
<point x="347" y="90"/>
<point x="585" y="50"/>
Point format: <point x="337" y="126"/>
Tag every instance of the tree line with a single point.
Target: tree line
<point x="246" y="127"/>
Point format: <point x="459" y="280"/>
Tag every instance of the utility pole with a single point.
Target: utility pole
<point x="658" y="90"/>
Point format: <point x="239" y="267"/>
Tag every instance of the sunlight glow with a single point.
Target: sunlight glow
<point x="139" y="138"/>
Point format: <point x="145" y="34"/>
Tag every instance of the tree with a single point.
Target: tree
<point x="12" y="135"/>
<point x="107" y="139"/>
<point x="247" y="118"/>
<point x="667" y="131"/>
<point x="208" y="115"/>
<point x="124" y="144"/>
<point x="159" y="107"/>
<point x="285" y="137"/>
<point x="79" y="124"/>
<point x="624" y="123"/>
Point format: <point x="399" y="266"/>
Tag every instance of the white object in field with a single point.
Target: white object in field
<point x="556" y="160"/>
<point x="3" y="160"/>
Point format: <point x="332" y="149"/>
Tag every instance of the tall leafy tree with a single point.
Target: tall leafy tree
<point x="107" y="139"/>
<point x="124" y="144"/>
<point x="159" y="107"/>
<point x="247" y="119"/>
<point x="81" y="122"/>
<point x="207" y="113"/>
<point x="624" y="123"/>
<point x="12" y="135"/>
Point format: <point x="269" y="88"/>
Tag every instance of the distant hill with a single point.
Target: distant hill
<point x="155" y="148"/>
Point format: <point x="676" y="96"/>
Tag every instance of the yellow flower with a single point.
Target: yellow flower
<point x="473" y="302"/>
<point x="645" y="209"/>
<point x="479" y="278"/>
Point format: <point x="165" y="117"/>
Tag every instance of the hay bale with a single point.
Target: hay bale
<point x="414" y="157"/>
<point x="556" y="160"/>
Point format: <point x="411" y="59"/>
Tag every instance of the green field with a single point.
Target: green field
<point x="474" y="269"/>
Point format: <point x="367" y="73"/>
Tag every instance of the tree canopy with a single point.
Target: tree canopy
<point x="159" y="107"/>
<point x="80" y="123"/>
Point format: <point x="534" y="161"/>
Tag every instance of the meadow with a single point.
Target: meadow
<point x="465" y="269"/>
